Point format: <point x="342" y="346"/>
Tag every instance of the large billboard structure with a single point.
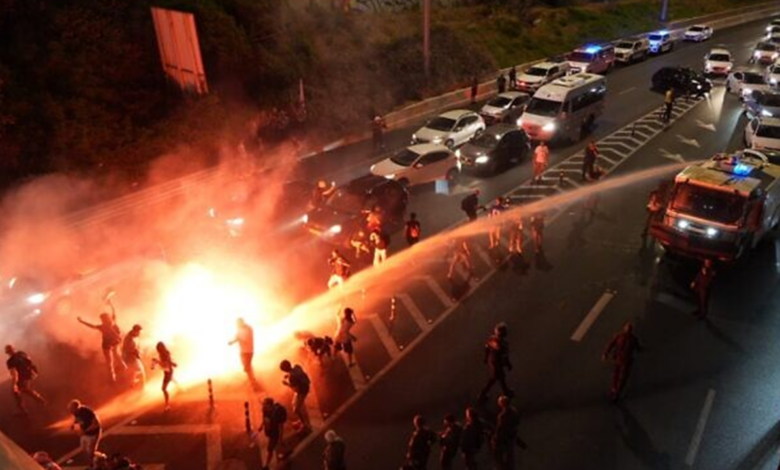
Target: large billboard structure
<point x="177" y="39"/>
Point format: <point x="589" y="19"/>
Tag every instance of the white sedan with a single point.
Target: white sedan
<point x="452" y="128"/>
<point x="419" y="164"/>
<point x="763" y="133"/>
<point x="745" y="82"/>
<point x="773" y="74"/>
<point x="698" y="33"/>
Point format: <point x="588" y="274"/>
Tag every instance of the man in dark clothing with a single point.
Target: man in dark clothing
<point x="472" y="439"/>
<point x="23" y="371"/>
<point x="470" y="205"/>
<point x="299" y="382"/>
<point x="589" y="160"/>
<point x="131" y="355"/>
<point x="537" y="231"/>
<point x="513" y="78"/>
<point x="701" y="286"/>
<point x="497" y="360"/>
<point x="413" y="230"/>
<point x="504" y="436"/>
<point x="378" y="127"/>
<point x="274" y="417"/>
<point x="501" y="83"/>
<point x="420" y="445"/>
<point x="474" y="87"/>
<point x="449" y="439"/>
<point x="668" y="104"/>
<point x="334" y="456"/>
<point x="620" y="351"/>
<point x="87" y="425"/>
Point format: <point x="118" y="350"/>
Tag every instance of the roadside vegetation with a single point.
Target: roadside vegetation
<point x="81" y="87"/>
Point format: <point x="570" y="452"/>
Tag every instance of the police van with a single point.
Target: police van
<point x="565" y="109"/>
<point x="593" y="58"/>
<point x="720" y="208"/>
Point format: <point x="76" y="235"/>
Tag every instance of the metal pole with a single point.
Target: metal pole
<point x="664" y="10"/>
<point x="211" y="395"/>
<point x="247" y="420"/>
<point x="427" y="37"/>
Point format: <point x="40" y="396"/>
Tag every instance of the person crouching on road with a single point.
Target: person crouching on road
<point x="87" y="425"/>
<point x="299" y="382"/>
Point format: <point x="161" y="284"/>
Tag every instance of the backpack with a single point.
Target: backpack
<point x="279" y="414"/>
<point x="302" y="379"/>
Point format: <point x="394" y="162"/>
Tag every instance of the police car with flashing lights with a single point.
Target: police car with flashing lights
<point x="593" y="58"/>
<point x="660" y="42"/>
<point x="720" y="208"/>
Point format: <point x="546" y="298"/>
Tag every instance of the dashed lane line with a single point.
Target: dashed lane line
<point x="592" y="316"/>
<point x="693" y="449"/>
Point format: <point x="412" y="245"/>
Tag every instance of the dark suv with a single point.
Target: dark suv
<point x="682" y="80"/>
<point x="344" y="212"/>
<point x="495" y="150"/>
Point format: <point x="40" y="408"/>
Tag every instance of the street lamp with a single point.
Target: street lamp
<point x="427" y="37"/>
<point x="664" y="10"/>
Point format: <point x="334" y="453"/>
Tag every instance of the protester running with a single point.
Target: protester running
<point x="23" y="371"/>
<point x="621" y="351"/>
<point x="87" y="425"/>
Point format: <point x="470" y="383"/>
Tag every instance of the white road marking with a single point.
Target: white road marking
<point x="384" y="336"/>
<point x="671" y="156"/>
<point x="591" y="317"/>
<point x="693" y="449"/>
<point x="627" y="90"/>
<point x="484" y="256"/>
<point x="355" y="373"/>
<point x="705" y="125"/>
<point x="687" y="141"/>
<point x="414" y="312"/>
<point x="313" y="407"/>
<point x="438" y="291"/>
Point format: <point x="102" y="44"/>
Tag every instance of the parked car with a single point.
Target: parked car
<point x="764" y="53"/>
<point x="453" y="128"/>
<point x="772" y="30"/>
<point x="774" y="22"/>
<point x="718" y="62"/>
<point x="745" y="82"/>
<point x="506" y="107"/>
<point x="418" y="164"/>
<point x="631" y="50"/>
<point x="774" y="38"/>
<point x="660" y="42"/>
<point x="593" y="58"/>
<point x="541" y="74"/>
<point x="773" y="74"/>
<point x="763" y="104"/>
<point x="344" y="212"/>
<point x="495" y="150"/>
<point x="682" y="80"/>
<point x="698" y="33"/>
<point x="763" y="133"/>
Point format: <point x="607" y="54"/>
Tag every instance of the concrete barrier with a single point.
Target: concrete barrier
<point x="437" y="104"/>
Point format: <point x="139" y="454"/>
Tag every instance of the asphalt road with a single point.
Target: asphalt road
<point x="700" y="394"/>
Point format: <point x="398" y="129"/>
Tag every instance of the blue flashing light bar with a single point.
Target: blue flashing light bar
<point x="740" y="169"/>
<point x="592" y="49"/>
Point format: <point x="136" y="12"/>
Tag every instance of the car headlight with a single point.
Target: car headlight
<point x="766" y="113"/>
<point x="335" y="229"/>
<point x="773" y="81"/>
<point x="457" y="153"/>
<point x="390" y="176"/>
<point x="747" y="91"/>
<point x="305" y="218"/>
<point x="36" y="299"/>
<point x="711" y="232"/>
<point x="414" y="137"/>
<point x="437" y="139"/>
<point x="481" y="160"/>
<point x="519" y="122"/>
<point x="775" y="56"/>
<point x="549" y="127"/>
<point x="757" y="54"/>
<point x="683" y="224"/>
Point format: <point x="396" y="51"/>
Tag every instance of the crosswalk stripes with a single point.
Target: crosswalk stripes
<point x="414" y="312"/>
<point x="355" y="373"/>
<point x="438" y="291"/>
<point x="385" y="337"/>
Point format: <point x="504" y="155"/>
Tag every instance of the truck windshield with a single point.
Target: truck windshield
<point x="717" y="206"/>
<point x="542" y="107"/>
<point x="624" y="45"/>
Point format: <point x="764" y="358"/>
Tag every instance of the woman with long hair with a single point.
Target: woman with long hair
<point x="167" y="365"/>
